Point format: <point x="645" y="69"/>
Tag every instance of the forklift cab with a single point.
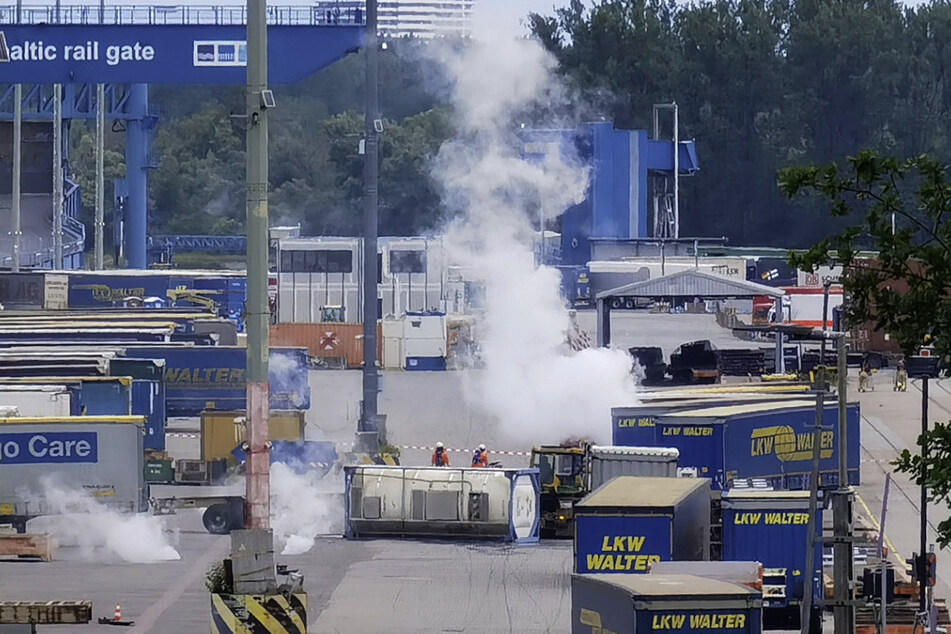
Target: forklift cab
<point x="561" y="469"/>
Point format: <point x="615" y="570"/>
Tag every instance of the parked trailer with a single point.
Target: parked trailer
<point x="225" y="505"/>
<point x="141" y="394"/>
<point x="441" y="502"/>
<point x="632" y="522"/>
<point x="199" y="378"/>
<point x="772" y="527"/>
<point x="626" y="421"/>
<point x="770" y="441"/>
<point x="632" y="604"/>
<point x="128" y="335"/>
<point x="101" y="456"/>
<point x="39" y="400"/>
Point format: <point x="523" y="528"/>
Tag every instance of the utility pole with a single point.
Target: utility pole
<point x="17" y="162"/>
<point x="844" y="596"/>
<point x="881" y="553"/>
<point x="923" y="528"/>
<point x="58" y="177"/>
<point x="259" y="98"/>
<point x="367" y="430"/>
<point x="100" y="169"/>
<point x="815" y="524"/>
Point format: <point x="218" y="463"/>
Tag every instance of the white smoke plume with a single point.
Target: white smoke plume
<point x="303" y="507"/>
<point x="99" y="533"/>
<point x="537" y="392"/>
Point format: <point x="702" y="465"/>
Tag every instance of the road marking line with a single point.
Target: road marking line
<point x="878" y="527"/>
<point x="154" y="612"/>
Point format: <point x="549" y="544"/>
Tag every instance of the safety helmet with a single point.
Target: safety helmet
<point x="438" y="445"/>
<point x="481" y="447"/>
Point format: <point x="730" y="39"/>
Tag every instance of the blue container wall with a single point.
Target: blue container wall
<point x="778" y="446"/>
<point x="700" y="446"/>
<point x="95" y="291"/>
<point x="213" y="377"/>
<point x="621" y="543"/>
<point x="700" y="621"/>
<point x="639" y="431"/>
<point x="107" y="398"/>
<point x="148" y="399"/>
<point x="777" y="538"/>
<point x="599" y="607"/>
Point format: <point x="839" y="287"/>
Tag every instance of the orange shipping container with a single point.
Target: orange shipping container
<point x="327" y="340"/>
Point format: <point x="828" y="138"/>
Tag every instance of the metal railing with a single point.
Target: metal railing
<point x="321" y="13"/>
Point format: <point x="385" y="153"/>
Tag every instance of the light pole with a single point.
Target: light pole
<point x="924" y="367"/>
<point x="367" y="430"/>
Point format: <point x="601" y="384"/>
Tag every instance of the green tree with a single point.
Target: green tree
<point x="905" y="288"/>
<point x="199" y="181"/>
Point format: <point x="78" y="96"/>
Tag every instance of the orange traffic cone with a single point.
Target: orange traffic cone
<point x="116" y="618"/>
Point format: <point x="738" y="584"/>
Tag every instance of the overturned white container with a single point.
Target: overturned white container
<point x="442" y="502"/>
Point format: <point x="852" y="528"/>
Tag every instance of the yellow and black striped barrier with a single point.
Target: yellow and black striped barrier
<point x="259" y="614"/>
<point x="366" y="458"/>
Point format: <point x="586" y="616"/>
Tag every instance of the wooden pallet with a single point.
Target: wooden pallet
<point x="28" y="545"/>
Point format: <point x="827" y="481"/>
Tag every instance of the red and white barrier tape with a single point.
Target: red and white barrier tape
<point x="492" y="452"/>
<point x="417" y="447"/>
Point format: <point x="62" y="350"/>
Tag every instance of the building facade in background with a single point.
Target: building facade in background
<point x="426" y="18"/>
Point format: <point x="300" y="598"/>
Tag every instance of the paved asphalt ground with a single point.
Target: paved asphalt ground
<point x="417" y="586"/>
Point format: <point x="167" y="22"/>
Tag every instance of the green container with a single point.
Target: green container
<point x="159" y="472"/>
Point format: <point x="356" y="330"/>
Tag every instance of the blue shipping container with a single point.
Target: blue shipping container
<point x="633" y="604"/>
<point x="632" y="521"/>
<point x="213" y="377"/>
<point x="771" y="441"/>
<point x="627" y="423"/>
<point x="772" y="527"/>
<point x="623" y="543"/>
<point x="148" y="399"/>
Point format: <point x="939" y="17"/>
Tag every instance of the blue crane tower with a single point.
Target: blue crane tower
<point x="127" y="48"/>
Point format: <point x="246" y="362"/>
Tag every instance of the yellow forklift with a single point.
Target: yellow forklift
<point x="563" y="481"/>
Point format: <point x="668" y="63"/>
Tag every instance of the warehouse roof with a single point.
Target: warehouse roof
<point x="679" y="586"/>
<point x="692" y="283"/>
<point x="643" y="492"/>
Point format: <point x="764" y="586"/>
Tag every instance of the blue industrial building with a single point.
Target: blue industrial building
<point x="629" y="170"/>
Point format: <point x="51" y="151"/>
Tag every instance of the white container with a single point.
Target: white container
<point x="40" y="400"/>
<point x="393" y="356"/>
<point x="442" y="501"/>
<point x="608" y="463"/>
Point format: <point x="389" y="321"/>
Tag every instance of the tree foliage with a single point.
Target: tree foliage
<point x="905" y="207"/>
<point x="763" y="85"/>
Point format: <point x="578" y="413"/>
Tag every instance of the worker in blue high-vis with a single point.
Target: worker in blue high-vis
<point x="440" y="456"/>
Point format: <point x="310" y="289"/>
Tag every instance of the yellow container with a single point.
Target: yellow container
<point x="222" y="431"/>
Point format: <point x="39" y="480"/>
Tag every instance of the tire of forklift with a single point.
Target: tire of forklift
<point x="217" y="519"/>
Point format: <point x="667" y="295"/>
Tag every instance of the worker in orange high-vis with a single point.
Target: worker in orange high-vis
<point x="440" y="456"/>
<point x="480" y="457"/>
